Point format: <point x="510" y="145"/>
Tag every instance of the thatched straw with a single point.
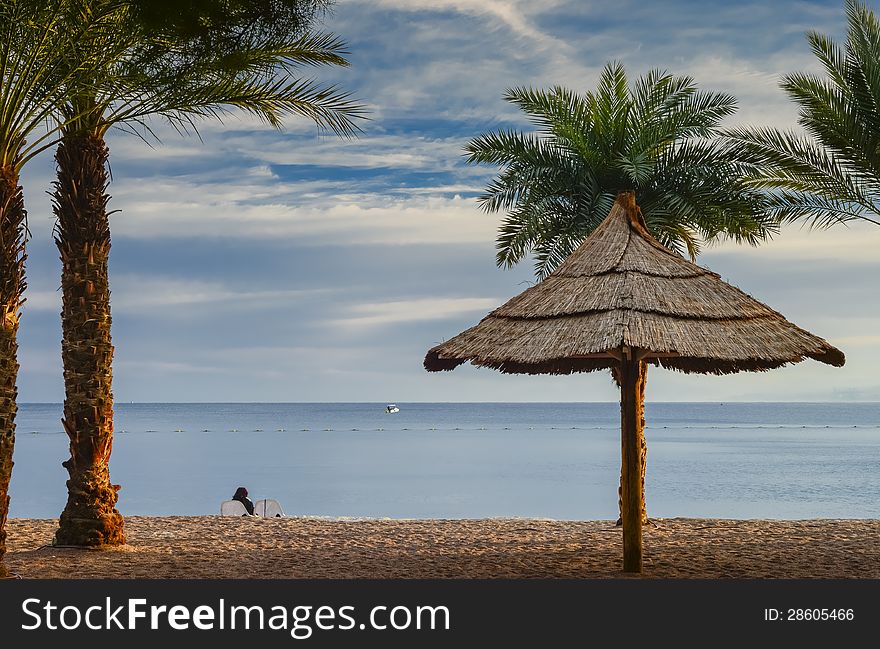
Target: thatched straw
<point x="622" y="288"/>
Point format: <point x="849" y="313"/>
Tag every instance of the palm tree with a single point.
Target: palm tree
<point x="157" y="74"/>
<point x="35" y="41"/>
<point x="657" y="138"/>
<point x="832" y="173"/>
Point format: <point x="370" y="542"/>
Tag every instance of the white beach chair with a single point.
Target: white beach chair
<point x="232" y="508"/>
<point x="268" y="508"/>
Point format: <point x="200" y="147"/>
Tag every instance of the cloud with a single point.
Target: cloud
<point x="353" y="219"/>
<point x="255" y="152"/>
<point x="137" y="294"/>
<point x="169" y="368"/>
<point x="386" y="228"/>
<point x="133" y="294"/>
<point x="517" y="16"/>
<point x="856" y="243"/>
<point x="400" y="311"/>
<point x="371" y="150"/>
<point x="868" y="340"/>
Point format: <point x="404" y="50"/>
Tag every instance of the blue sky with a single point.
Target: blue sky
<point x="259" y="265"/>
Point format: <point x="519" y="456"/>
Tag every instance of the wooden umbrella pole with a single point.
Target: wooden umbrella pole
<point x="631" y="466"/>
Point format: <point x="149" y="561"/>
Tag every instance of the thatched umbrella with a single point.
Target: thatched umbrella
<point x="620" y="301"/>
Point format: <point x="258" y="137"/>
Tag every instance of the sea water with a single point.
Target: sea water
<point x="469" y="460"/>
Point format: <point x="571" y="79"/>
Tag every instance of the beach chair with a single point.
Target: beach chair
<point x="268" y="508"/>
<point x="232" y="508"/>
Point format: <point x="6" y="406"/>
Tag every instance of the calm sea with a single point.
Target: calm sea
<point x="470" y="460"/>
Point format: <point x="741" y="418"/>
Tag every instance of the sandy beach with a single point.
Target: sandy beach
<point x="216" y="547"/>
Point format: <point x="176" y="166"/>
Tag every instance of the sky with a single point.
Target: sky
<point x="258" y="265"/>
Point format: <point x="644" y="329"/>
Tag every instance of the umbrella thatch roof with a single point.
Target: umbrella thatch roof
<point x="622" y="288"/>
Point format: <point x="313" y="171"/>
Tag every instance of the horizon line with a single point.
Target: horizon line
<point x="59" y="403"/>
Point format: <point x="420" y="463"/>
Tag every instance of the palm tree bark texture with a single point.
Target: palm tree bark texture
<point x="13" y="226"/>
<point x="643" y="444"/>
<point x="632" y="475"/>
<point x="90" y="517"/>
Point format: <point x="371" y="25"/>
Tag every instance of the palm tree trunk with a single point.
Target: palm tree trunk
<point x="83" y="238"/>
<point x="13" y="228"/>
<point x="643" y="379"/>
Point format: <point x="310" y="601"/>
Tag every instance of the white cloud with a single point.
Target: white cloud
<point x="169" y="367"/>
<point x="36" y="300"/>
<point x="370" y="151"/>
<point x="400" y="311"/>
<point x="433" y="80"/>
<point x="856" y="243"/>
<point x="347" y="219"/>
<point x="868" y="340"/>
<point x="148" y="294"/>
<point x="140" y="293"/>
<point x="517" y="16"/>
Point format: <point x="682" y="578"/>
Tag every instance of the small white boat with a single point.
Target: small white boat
<point x="391" y="409"/>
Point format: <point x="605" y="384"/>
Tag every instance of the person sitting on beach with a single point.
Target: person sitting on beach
<point x="241" y="495"/>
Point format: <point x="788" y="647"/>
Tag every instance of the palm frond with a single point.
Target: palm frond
<point x="803" y="171"/>
<point x="656" y="138"/>
<point x="148" y="74"/>
<point x="833" y="174"/>
<point x="818" y="211"/>
<point x="269" y="99"/>
<point x="37" y="40"/>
